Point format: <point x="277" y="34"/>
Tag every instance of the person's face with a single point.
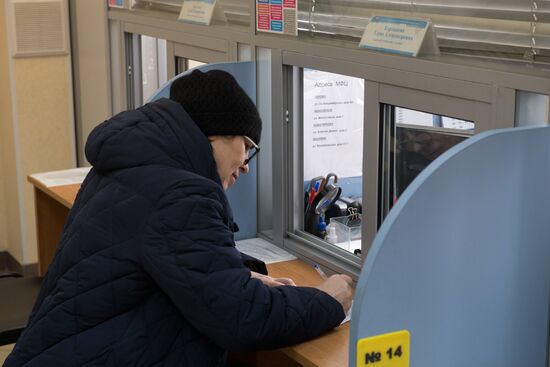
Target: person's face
<point x="230" y="154"/>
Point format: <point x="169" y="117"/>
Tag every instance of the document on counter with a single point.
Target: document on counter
<point x="63" y="177"/>
<point x="263" y="250"/>
<point x="348" y="315"/>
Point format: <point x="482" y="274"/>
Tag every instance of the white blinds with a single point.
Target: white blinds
<point x="502" y="29"/>
<point x="510" y="29"/>
<point x="236" y="11"/>
<point x="170" y="5"/>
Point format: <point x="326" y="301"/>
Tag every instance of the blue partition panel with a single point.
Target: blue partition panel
<point x="243" y="195"/>
<point x="463" y="259"/>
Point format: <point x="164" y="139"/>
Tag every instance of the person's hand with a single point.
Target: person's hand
<point x="339" y="287"/>
<point x="272" y="282"/>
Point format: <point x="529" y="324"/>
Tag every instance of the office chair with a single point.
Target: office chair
<point x="17" y="297"/>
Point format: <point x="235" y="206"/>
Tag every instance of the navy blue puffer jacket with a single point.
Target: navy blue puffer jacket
<point x="146" y="272"/>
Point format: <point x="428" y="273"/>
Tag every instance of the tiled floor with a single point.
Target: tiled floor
<point x="4" y="351"/>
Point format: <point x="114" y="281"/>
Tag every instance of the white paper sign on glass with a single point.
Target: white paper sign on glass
<point x="333" y="124"/>
<point x="409" y="37"/>
<point x="201" y="12"/>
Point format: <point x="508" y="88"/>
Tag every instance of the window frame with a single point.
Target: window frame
<point x="435" y="94"/>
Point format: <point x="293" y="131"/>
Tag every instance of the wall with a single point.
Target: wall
<point x="46" y="137"/>
<point x="36" y="135"/>
<point x="7" y="173"/>
<point x="90" y="53"/>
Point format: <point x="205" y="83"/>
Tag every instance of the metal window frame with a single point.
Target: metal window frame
<point x="461" y="99"/>
<point x="132" y="45"/>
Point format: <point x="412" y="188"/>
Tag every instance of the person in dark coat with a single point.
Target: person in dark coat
<point x="146" y="272"/>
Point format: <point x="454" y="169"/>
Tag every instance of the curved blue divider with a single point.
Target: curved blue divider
<point x="463" y="259"/>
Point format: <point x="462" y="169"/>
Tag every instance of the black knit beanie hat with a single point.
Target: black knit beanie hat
<point x="217" y="104"/>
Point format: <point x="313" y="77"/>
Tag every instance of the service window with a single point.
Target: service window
<point x="352" y="145"/>
<point x="331" y="154"/>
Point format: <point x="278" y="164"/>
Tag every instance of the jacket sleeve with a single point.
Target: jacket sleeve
<point x="190" y="254"/>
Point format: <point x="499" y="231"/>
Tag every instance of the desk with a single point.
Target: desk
<point x="52" y="205"/>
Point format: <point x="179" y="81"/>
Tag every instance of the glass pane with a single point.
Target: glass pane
<point x="413" y="139"/>
<point x="531" y="109"/>
<point x="153" y="65"/>
<point x="333" y="108"/>
<point x="264" y="89"/>
<point x="184" y="64"/>
<point x="415" y="149"/>
<point x="405" y="116"/>
<point x="194" y="63"/>
<point x="181" y="65"/>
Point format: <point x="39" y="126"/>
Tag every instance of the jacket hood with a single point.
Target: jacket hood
<point x="159" y="133"/>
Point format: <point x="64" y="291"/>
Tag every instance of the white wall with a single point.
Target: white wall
<point x="36" y="135"/>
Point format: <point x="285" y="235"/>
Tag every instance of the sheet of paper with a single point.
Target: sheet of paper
<point x="263" y="250"/>
<point x="348" y="315"/>
<point x="333" y="124"/>
<point x="64" y="177"/>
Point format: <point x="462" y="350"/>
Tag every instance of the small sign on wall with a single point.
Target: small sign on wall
<point x="201" y="12"/>
<point x="410" y="37"/>
<point x="116" y="3"/>
<point x="277" y="16"/>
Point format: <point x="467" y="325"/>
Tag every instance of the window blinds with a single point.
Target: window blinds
<point x="501" y="29"/>
<point x="510" y="29"/>
<point x="236" y="11"/>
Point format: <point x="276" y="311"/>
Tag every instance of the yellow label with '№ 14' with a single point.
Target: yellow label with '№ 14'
<point x="386" y="350"/>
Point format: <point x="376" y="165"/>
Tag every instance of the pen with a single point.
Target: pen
<point x="320" y="271"/>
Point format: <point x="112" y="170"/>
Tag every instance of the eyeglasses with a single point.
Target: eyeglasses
<point x="251" y="149"/>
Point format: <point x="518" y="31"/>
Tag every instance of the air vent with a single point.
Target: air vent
<point x="39" y="27"/>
